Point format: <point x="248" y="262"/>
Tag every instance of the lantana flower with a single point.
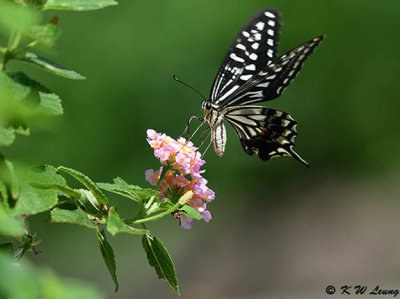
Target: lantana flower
<point x="181" y="163"/>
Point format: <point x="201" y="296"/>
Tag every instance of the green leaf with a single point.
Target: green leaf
<point x="160" y="259"/>
<point x="46" y="101"/>
<point x="87" y="182"/>
<point x="46" y="175"/>
<point x="7" y="136"/>
<point x="77" y="216"/>
<point x="130" y="191"/>
<point x="89" y="202"/>
<point x="46" y="34"/>
<point x="51" y="66"/>
<point x="10" y="226"/>
<point x="34" y="200"/>
<point x="115" y="225"/>
<point x="108" y="257"/>
<point x="191" y="212"/>
<point x="50" y="104"/>
<point x="7" y="248"/>
<point x="79" y="5"/>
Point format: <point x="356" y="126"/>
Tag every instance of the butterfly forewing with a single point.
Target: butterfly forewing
<point x="272" y="80"/>
<point x="254" y="48"/>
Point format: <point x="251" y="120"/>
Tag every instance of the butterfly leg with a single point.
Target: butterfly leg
<point x="186" y="130"/>
<point x="195" y="131"/>
<point x="208" y="146"/>
<point x="201" y="139"/>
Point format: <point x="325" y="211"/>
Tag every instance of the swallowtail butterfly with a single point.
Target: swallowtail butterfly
<point x="251" y="73"/>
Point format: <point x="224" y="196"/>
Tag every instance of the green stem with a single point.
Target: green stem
<point x="158" y="216"/>
<point x="14" y="41"/>
<point x="27" y="47"/>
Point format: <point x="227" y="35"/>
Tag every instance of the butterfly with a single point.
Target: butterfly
<point x="252" y="72"/>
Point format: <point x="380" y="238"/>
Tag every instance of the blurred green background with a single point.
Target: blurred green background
<point x="278" y="229"/>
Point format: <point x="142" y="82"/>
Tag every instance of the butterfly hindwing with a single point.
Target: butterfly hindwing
<point x="254" y="47"/>
<point x="270" y="82"/>
<point x="268" y="132"/>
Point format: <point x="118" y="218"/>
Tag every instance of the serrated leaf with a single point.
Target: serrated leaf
<point x="51" y="66"/>
<point x="46" y="177"/>
<point x="46" y="34"/>
<point x="191" y="212"/>
<point x="160" y="259"/>
<point x="77" y="216"/>
<point x="7" y="136"/>
<point x="108" y="257"/>
<point x="130" y="191"/>
<point x="10" y="226"/>
<point x="40" y="98"/>
<point x="87" y="182"/>
<point x="79" y="5"/>
<point x="115" y="225"/>
<point x="50" y="104"/>
<point x="46" y="174"/>
<point x="33" y="200"/>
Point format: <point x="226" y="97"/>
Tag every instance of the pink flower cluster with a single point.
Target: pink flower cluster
<point x="182" y="163"/>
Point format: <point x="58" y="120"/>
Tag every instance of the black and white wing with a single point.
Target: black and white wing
<point x="270" y="82"/>
<point x="255" y="47"/>
<point x="268" y="132"/>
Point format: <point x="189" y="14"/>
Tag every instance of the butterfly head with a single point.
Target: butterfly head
<point x="206" y="105"/>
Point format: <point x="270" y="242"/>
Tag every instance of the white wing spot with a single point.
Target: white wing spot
<point x="236" y="58"/>
<point x="278" y="69"/>
<point x="286" y="80"/>
<point x="271" y="77"/>
<point x="286" y="133"/>
<point x="270" y="32"/>
<point x="270" y="42"/>
<point x="263" y="85"/>
<point x="269" y="14"/>
<point x="246" y="77"/>
<point x="257" y="36"/>
<point x="271" y="23"/>
<point x="250" y="67"/>
<point x="270" y="53"/>
<point x="255" y="46"/>
<point x="241" y="46"/>
<point x="253" y="56"/>
<point x="246" y="34"/>
<point x="260" y="25"/>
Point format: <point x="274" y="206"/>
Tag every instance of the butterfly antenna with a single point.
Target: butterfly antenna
<point x="187" y="85"/>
